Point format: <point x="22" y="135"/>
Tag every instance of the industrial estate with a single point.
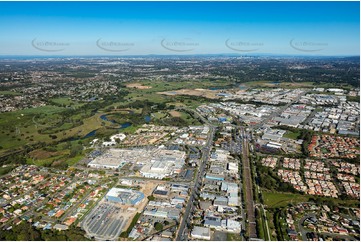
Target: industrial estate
<point x="220" y="160"/>
<point x="180" y="121"/>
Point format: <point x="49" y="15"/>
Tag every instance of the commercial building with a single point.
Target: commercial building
<point x="162" y="212"/>
<point x="201" y="233"/>
<point x="113" y="139"/>
<point x="164" y="163"/>
<point x="155" y="162"/>
<point x="212" y="222"/>
<point x="124" y="196"/>
<point x="112" y="159"/>
<point x="216" y="177"/>
<point x="232" y="193"/>
<point x="232" y="167"/>
<point x="179" y="187"/>
<point x="219" y="224"/>
<point x="273" y="134"/>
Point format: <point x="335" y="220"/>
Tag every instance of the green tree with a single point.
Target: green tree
<point x="75" y="150"/>
<point x="158" y="226"/>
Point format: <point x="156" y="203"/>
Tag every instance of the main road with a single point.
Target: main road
<point x="182" y="235"/>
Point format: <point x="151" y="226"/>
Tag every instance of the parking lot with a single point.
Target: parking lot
<point x="105" y="222"/>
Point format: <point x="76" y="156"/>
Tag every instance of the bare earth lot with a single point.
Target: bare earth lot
<point x="175" y="113"/>
<point x="211" y="94"/>
<point x="137" y="86"/>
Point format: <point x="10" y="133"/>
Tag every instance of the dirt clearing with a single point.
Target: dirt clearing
<point x="211" y="94"/>
<point x="137" y="86"/>
<point x="175" y="113"/>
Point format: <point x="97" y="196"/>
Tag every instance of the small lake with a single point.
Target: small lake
<point x="147" y="118"/>
<point x="214" y="88"/>
<point x="104" y="117"/>
<point x="122" y="126"/>
<point x="242" y="87"/>
<point x="90" y="134"/>
<point x="125" y="125"/>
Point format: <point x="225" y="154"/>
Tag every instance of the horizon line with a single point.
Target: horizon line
<point x="184" y="55"/>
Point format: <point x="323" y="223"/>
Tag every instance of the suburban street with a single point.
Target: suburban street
<point x="304" y="231"/>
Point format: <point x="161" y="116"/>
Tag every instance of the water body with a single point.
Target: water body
<point x="243" y="87"/>
<point x="122" y="126"/>
<point x="214" y="88"/>
<point x="125" y="125"/>
<point x="147" y="119"/>
<point x="90" y="134"/>
<point x="104" y="117"/>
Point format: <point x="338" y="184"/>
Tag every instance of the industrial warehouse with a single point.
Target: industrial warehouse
<point x="112" y="159"/>
<point x="164" y="163"/>
<point x="155" y="163"/>
<point x="124" y="196"/>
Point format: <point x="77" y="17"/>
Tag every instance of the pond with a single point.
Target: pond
<point x="147" y="118"/>
<point x="242" y="87"/>
<point x="214" y="88"/>
<point x="90" y="134"/>
<point x="105" y="118"/>
<point x="122" y="126"/>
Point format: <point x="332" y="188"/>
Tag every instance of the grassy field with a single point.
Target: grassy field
<point x="274" y="200"/>
<point x="42" y="110"/>
<point x="161" y="86"/>
<point x="279" y="200"/>
<point x="160" y="115"/>
<point x="18" y="128"/>
<point x="291" y="135"/>
<point x="50" y="124"/>
<point x="58" y="155"/>
<point x="353" y="99"/>
<point x="62" y="101"/>
<point x="332" y="85"/>
<point x="271" y="225"/>
<point x="42" y="162"/>
<point x="189" y="119"/>
<point x="72" y="161"/>
<point x="25" y="126"/>
<point x="6" y="169"/>
<point x="233" y="237"/>
<point x="130" y="129"/>
<point x="261" y="230"/>
<point x="270" y="84"/>
<point x="143" y="95"/>
<point x="9" y="93"/>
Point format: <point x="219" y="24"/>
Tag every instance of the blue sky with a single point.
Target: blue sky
<point x="127" y="28"/>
